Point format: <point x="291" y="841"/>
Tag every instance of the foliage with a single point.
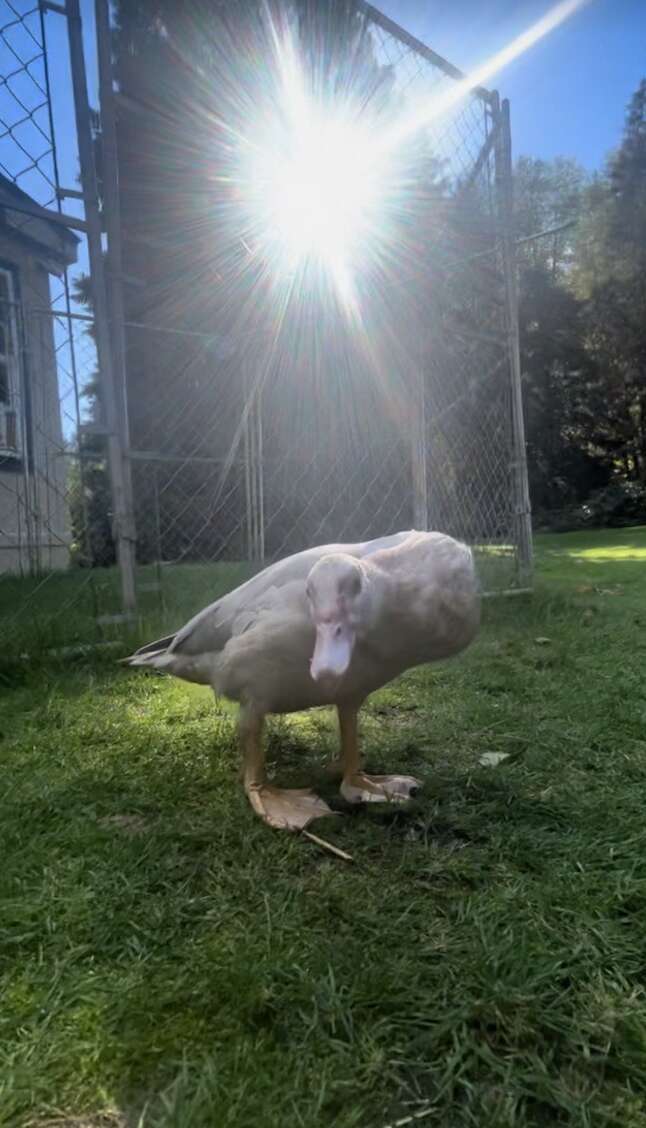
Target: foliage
<point x="557" y="374"/>
<point x="583" y="329"/>
<point x="618" y="504"/>
<point x="89" y="490"/>
<point x="547" y="195"/>
<point x="610" y="279"/>
<point x="90" y="502"/>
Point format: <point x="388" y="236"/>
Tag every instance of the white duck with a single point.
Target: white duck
<point x="327" y="626"/>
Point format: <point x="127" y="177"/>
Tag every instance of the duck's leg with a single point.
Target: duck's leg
<point x="356" y="786"/>
<point x="285" y="810"/>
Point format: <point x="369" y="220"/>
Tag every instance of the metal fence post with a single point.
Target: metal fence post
<point x="419" y="441"/>
<point x="112" y="218"/>
<point x="108" y="389"/>
<point x="518" y="465"/>
<point x="254" y="472"/>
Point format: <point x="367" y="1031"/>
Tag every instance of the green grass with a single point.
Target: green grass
<point x="165" y="960"/>
<point x="74" y="608"/>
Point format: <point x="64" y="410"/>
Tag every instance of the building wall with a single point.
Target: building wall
<point x="34" y="523"/>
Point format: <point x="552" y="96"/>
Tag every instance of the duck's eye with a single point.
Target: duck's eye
<point x="354" y="585"/>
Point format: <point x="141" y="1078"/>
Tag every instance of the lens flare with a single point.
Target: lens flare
<point x="319" y="181"/>
<point x="319" y="196"/>
<point x="318" y="175"/>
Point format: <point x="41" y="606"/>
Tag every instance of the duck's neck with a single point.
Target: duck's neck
<point x="387" y="612"/>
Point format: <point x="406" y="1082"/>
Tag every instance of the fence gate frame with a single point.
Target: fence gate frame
<point x="499" y="140"/>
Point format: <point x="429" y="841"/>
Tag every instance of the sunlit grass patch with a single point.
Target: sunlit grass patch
<point x="605" y="545"/>
<point x="610" y="553"/>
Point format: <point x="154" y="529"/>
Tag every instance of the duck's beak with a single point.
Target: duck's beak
<point x="333" y="650"/>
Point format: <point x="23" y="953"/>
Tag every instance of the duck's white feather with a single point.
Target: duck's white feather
<point x="255" y="644"/>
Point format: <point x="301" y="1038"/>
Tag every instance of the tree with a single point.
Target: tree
<point x="583" y="320"/>
<point x="547" y="194"/>
<point x="609" y="277"/>
<point x="564" y="460"/>
<point x="89" y="489"/>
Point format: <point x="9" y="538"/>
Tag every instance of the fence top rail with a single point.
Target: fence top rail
<point x="420" y="48"/>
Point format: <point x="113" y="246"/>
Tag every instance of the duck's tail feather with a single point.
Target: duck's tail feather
<point x="154" y="654"/>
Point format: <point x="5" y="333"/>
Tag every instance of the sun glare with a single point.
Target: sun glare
<point x="317" y="176"/>
<point x="319" y="180"/>
<point x="321" y="194"/>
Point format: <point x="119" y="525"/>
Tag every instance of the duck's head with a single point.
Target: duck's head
<point x="335" y="593"/>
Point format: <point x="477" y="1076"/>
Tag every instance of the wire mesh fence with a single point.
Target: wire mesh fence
<point x="26" y="143"/>
<point x="252" y="435"/>
<point x="47" y="359"/>
<point x="321" y="432"/>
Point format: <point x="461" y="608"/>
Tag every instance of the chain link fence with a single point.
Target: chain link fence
<point x="248" y="443"/>
<point x="48" y="364"/>
<point x="304" y="434"/>
<point x="26" y="143"/>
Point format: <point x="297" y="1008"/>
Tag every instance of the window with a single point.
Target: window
<point x="10" y="430"/>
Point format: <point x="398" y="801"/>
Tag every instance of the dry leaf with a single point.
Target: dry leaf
<point x="492" y="759"/>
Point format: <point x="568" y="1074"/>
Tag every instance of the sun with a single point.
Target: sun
<point x="320" y="189"/>
<point x="317" y="177"/>
<point x="322" y="195"/>
<point x="316" y="181"/>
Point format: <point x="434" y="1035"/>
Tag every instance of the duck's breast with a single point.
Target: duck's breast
<point x="269" y="664"/>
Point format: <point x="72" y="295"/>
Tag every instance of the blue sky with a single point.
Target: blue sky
<point x="568" y="93"/>
<point x="56" y="34"/>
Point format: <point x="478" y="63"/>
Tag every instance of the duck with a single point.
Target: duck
<point x="326" y="627"/>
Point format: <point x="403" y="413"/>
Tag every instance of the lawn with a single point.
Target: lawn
<point x="166" y="960"/>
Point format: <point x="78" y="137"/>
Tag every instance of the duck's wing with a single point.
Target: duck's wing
<point x="185" y="656"/>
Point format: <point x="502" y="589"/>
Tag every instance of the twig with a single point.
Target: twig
<point x="328" y="846"/>
<point x="423" y="1112"/>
